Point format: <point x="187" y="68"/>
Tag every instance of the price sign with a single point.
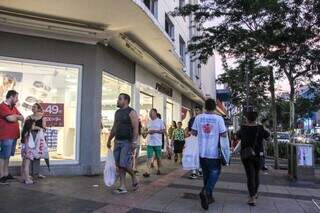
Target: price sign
<point x="53" y="114"/>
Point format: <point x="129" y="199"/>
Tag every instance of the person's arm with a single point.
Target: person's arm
<point x="222" y="128"/>
<point x="135" y="125"/>
<point x="112" y="133"/>
<point x="194" y="128"/>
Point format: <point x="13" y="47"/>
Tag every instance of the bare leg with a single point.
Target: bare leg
<point x="2" y="168"/>
<point x="6" y="167"/>
<point x="133" y="176"/>
<point x="122" y="178"/>
<point x="159" y="164"/>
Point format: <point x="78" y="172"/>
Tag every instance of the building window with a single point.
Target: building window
<point x="152" y="5"/>
<point x="183" y="49"/>
<point x="169" y="27"/>
<point x="56" y="88"/>
<point x="111" y="88"/>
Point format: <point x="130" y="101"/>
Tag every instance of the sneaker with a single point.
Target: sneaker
<point x="251" y="201"/>
<point x="41" y="176"/>
<point x="200" y="173"/>
<point x="146" y="174"/>
<point x="193" y="176"/>
<point x="3" y="181"/>
<point x="204" y="200"/>
<point x="120" y="191"/>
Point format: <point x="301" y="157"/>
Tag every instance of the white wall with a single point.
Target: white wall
<point x="208" y="78"/>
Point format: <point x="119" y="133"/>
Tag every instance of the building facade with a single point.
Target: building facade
<point x="75" y="57"/>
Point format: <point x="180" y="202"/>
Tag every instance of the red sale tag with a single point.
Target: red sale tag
<point x="53" y="114"/>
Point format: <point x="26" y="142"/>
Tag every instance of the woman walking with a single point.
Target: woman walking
<point x="252" y="135"/>
<point x="178" y="137"/>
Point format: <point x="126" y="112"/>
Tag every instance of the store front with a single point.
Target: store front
<point x="56" y="88"/>
<point x="153" y="93"/>
<point x="67" y="79"/>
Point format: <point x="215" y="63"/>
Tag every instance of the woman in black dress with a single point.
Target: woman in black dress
<point x="252" y="135"/>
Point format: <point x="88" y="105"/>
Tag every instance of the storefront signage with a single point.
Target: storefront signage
<point x="54" y="114"/>
<point x="164" y="89"/>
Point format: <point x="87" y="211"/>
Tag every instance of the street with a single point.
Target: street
<point x="171" y="192"/>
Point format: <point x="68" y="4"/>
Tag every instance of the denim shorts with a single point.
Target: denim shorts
<point x="7" y="148"/>
<point x="123" y="154"/>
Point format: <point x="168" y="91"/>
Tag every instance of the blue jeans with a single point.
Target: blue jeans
<point x="211" y="169"/>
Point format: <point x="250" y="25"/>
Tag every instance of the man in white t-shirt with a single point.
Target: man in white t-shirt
<point x="155" y="130"/>
<point x="209" y="127"/>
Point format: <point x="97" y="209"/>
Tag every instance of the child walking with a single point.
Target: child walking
<point x="178" y="138"/>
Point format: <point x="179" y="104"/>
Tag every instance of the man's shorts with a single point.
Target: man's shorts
<point x="123" y="154"/>
<point x="154" y="149"/>
<point x="7" y="148"/>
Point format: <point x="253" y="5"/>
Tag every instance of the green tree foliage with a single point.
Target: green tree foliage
<point x="258" y="86"/>
<point x="284" y="33"/>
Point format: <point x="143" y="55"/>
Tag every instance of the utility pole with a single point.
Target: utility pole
<point x="274" y="119"/>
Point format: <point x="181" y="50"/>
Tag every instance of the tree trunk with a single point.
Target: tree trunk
<point x="292" y="110"/>
<point x="274" y="120"/>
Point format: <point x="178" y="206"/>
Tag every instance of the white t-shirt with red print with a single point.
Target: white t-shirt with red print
<point x="209" y="127"/>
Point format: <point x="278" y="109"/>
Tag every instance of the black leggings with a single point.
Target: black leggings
<point x="252" y="167"/>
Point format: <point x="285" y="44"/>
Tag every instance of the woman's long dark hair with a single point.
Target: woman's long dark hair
<point x="27" y="127"/>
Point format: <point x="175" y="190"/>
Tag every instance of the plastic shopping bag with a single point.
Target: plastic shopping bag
<point x="109" y="174"/>
<point x="190" y="158"/>
<point x="225" y="150"/>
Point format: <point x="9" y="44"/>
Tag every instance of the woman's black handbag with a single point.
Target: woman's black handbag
<point x="249" y="152"/>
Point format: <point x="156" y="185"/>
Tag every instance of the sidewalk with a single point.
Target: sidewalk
<point x="171" y="192"/>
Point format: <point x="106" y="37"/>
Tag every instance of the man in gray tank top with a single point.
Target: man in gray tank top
<point x="125" y="130"/>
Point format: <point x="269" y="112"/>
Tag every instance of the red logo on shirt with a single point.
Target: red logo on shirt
<point x="207" y="128"/>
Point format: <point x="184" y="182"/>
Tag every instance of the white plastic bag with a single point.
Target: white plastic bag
<point x="190" y="158"/>
<point x="109" y="174"/>
<point x="225" y="149"/>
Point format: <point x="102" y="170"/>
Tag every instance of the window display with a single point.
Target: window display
<point x="55" y="88"/>
<point x="111" y="88"/>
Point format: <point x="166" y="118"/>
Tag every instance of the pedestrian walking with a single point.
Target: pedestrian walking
<point x="125" y="130"/>
<point x="251" y="135"/>
<point x="155" y="130"/>
<point x="39" y="124"/>
<point x="209" y="128"/>
<point x="178" y="137"/>
<point x="172" y="127"/>
<point x="9" y="132"/>
<point x="197" y="111"/>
